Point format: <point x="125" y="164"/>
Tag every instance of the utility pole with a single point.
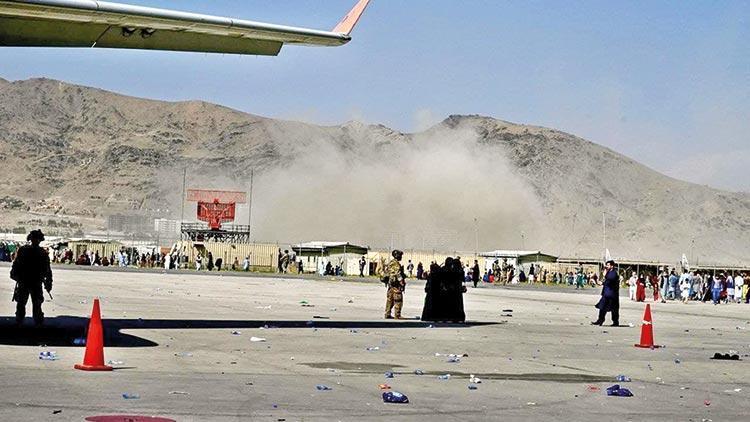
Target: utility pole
<point x="182" y="199"/>
<point x="476" y="238"/>
<point x="604" y="235"/>
<point x="250" y="202"/>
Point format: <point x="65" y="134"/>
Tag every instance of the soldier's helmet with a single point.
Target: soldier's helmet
<point x="397" y="254"/>
<point x="35" y="234"/>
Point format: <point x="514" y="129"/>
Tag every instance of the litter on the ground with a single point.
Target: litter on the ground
<point x="474" y="380"/>
<point x="472" y="386"/>
<point x="48" y="355"/>
<point x="418" y="372"/>
<point x="257" y="339"/>
<point x="617" y="391"/>
<point x="179" y="393"/>
<point x="394" y="397"/>
<point x="131" y="396"/>
<point x="622" y="378"/>
<point x="389" y="374"/>
<point x="322" y="387"/>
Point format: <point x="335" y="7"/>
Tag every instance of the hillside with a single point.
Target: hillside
<point x="85" y="153"/>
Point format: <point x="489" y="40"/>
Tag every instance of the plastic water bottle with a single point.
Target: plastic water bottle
<point x="472" y="386"/>
<point x="389" y="374"/>
<point x="418" y="372"/>
<point x="322" y="387"/>
<point x="622" y="378"/>
<point x="131" y="396"/>
<point x="444" y="377"/>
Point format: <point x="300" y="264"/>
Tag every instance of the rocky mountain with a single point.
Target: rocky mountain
<point x="73" y="152"/>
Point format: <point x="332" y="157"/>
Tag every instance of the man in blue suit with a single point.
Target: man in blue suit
<point x="610" y="301"/>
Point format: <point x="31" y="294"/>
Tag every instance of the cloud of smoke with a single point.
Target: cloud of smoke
<point x="429" y="192"/>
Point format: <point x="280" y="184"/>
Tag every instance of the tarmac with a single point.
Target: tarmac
<point x="182" y="343"/>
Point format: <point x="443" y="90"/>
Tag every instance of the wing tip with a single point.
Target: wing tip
<point x="349" y="21"/>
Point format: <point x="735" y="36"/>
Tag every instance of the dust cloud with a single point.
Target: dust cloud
<point x="431" y="192"/>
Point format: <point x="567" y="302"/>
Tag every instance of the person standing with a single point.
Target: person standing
<point x="246" y="263"/>
<point x="410" y="268"/>
<point x="640" y="289"/>
<point x="475" y="273"/>
<point x="739" y="284"/>
<point x="31" y="271"/>
<point x="716" y="287"/>
<point x="396" y="286"/>
<point x="420" y="271"/>
<point x="632" y="286"/>
<point x="210" y="262"/>
<point x="610" y="300"/>
<point x="362" y="263"/>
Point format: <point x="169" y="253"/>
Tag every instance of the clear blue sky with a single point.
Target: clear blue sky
<point x="667" y="83"/>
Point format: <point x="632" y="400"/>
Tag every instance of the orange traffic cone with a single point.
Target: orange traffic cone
<point x="93" y="360"/>
<point x="647" y="331"/>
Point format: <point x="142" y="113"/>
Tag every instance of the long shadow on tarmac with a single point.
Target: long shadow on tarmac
<point x="63" y="330"/>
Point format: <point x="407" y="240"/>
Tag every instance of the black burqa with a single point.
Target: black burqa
<point x="444" y="293"/>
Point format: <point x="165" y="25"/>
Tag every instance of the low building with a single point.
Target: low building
<point x="337" y="253"/>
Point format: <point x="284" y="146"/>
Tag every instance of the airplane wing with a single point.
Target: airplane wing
<point x="89" y="23"/>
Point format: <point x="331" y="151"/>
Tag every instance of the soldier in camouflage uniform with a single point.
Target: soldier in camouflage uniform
<point x="396" y="285"/>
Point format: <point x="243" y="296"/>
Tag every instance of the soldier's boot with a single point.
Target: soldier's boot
<point x="398" y="305"/>
<point x="388" y="306"/>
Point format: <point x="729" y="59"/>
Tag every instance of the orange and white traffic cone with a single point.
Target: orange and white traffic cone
<point x="647" y="331"/>
<point x="93" y="360"/>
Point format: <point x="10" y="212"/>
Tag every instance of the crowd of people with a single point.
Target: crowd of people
<point x="721" y="287"/>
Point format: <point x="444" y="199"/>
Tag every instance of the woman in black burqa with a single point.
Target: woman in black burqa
<point x="444" y="288"/>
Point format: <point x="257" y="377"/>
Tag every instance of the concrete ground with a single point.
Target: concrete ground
<point x="172" y="335"/>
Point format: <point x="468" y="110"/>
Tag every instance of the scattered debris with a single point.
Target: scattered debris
<point x="472" y="386"/>
<point x="622" y="378"/>
<point x="372" y="349"/>
<point x="394" y="397"/>
<point x="56" y="411"/>
<point x="257" y="339"/>
<point x="615" y="390"/>
<point x="184" y="354"/>
<point x="725" y="356"/>
<point x="384" y="386"/>
<point x="322" y="387"/>
<point x="444" y="377"/>
<point x="236" y="333"/>
<point x="131" y="396"/>
<point x="115" y="362"/>
<point x="474" y="380"/>
<point x="48" y="355"/>
<point x="179" y="393"/>
<point x="418" y="372"/>
<point x="79" y="341"/>
<point x="389" y="374"/>
<point x="593" y="389"/>
<point x="320" y="317"/>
